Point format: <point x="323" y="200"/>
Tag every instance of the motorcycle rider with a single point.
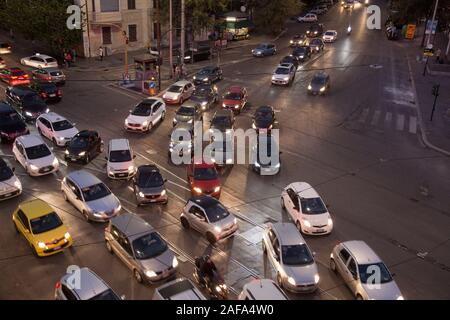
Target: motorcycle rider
<point x="206" y="268"/>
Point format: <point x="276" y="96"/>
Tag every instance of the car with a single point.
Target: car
<point x="91" y="287"/>
<point x="306" y="208"/>
<point x="315" y="30"/>
<point x="320" y="84"/>
<point x="149" y="185"/>
<point x="12" y="125"/>
<point x="357" y="264"/>
<point x="203" y="178"/>
<point x="330" y="36"/>
<point x="54" y="75"/>
<point x="2" y="63"/>
<point x="14" y="76"/>
<point x="178" y="289"/>
<point x="348" y="4"/>
<point x="41" y="227"/>
<point x="262" y="289"/>
<point x="141" y="248"/>
<point x="284" y="74"/>
<point x="178" y="92"/>
<point x="318" y="10"/>
<point x="146" y="115"/>
<point x="189" y="112"/>
<point x="89" y="195"/>
<point x="265" y="158"/>
<point x="298" y="40"/>
<point x="316" y="45"/>
<point x="84" y="146"/>
<point x="208" y="75"/>
<point x="290" y="59"/>
<point x="206" y="95"/>
<point x="39" y="61"/>
<point x="264" y="119"/>
<point x="10" y="185"/>
<point x="222" y="122"/>
<point x="5" y="48"/>
<point x="309" y="17"/>
<point x="235" y="98"/>
<point x="291" y="258"/>
<point x="48" y="91"/>
<point x="181" y="140"/>
<point x="56" y="128"/>
<point x="120" y="160"/>
<point x="34" y="155"/>
<point x="209" y="217"/>
<point x="264" y="49"/>
<point x="26" y="101"/>
<point x="301" y="54"/>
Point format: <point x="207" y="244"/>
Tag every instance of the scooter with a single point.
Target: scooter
<point x="216" y="286"/>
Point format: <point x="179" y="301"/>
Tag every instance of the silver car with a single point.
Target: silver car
<point x="363" y="272"/>
<point x="189" y="112"/>
<point x="90" y="196"/>
<point x="178" y="289"/>
<point x="54" y="75"/>
<point x="141" y="248"/>
<point x="291" y="258"/>
<point x="83" y="284"/>
<point x="284" y="74"/>
<point x="208" y="216"/>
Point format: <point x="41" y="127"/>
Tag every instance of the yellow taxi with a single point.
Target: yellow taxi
<point x="41" y="227"/>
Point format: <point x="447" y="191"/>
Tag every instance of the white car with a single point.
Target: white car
<point x="309" y="17"/>
<point x="56" y="128"/>
<point x="306" y="208"/>
<point x="120" y="159"/>
<point x="270" y="164"/>
<point x="145" y="115"/>
<point x="290" y="257"/>
<point x="179" y="92"/>
<point x="363" y="272"/>
<point x="34" y="155"/>
<point x="330" y="36"/>
<point x="284" y="74"/>
<point x="262" y="289"/>
<point x="39" y="61"/>
<point x="10" y="185"/>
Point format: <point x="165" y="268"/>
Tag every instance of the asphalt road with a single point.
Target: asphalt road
<point x="358" y="146"/>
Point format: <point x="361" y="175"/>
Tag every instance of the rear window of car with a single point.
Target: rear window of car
<point x="56" y="73"/>
<point x="18" y="72"/>
<point x="50" y="60"/>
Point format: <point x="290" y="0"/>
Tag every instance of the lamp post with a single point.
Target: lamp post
<point x="125" y="37"/>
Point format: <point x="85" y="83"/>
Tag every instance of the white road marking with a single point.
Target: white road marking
<point x="375" y="117"/>
<point x="400" y="122"/>
<point x="176" y="196"/>
<point x="413" y="124"/>
<point x="179" y="185"/>
<point x="121" y="91"/>
<point x="363" y="116"/>
<point x="126" y="201"/>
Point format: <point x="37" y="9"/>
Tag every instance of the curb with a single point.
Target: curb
<point x="419" y="115"/>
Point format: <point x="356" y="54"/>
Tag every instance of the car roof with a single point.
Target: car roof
<point x="51" y="69"/>
<point x="304" y="190"/>
<point x="119" y="144"/>
<point x="43" y="56"/>
<point x="85" y="133"/>
<point x="265" y="289"/>
<point x="189" y="104"/>
<point x="152" y="100"/>
<point x="30" y="140"/>
<point x="22" y="87"/>
<point x="83" y="178"/>
<point x="131" y="225"/>
<point x="180" y="289"/>
<point x="330" y="31"/>
<point x="52" y="117"/>
<point x="183" y="126"/>
<point x="288" y="233"/>
<point x="91" y="284"/>
<point x="361" y="252"/>
<point x="285" y="65"/>
<point x="321" y="74"/>
<point x="235" y="89"/>
<point x="204" y="201"/>
<point x="35" y="208"/>
<point x="148" y="168"/>
<point x="209" y="68"/>
<point x="181" y="83"/>
<point x="223" y="113"/>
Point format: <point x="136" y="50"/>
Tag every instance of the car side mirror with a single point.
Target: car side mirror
<point x="165" y="180"/>
<point x="393" y="274"/>
<point x="314" y="253"/>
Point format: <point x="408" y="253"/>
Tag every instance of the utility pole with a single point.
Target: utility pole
<point x="432" y="22"/>
<point x="125" y="37"/>
<point x="183" y="31"/>
<point x="158" y="12"/>
<point x="435" y="93"/>
<point x="170" y="40"/>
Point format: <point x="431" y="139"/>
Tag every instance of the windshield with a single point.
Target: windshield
<point x="318" y="80"/>
<point x="176" y="89"/>
<point x="79" y="142"/>
<point x="62" y="125"/>
<point x="232" y="96"/>
<point x="263" y="114"/>
<point x="95" y="192"/>
<point x="186" y="111"/>
<point x="282" y="71"/>
<point x="45" y="223"/>
<point x="5" y="173"/>
<point x="56" y="73"/>
<point x="37" y="152"/>
<point x="205" y="173"/>
<point x="313" y="206"/>
<point x="106" y="295"/>
<point x="296" y="255"/>
<point x="48" y="86"/>
<point x="329" y="33"/>
<point x="18" y="73"/>
<point x="32" y="98"/>
<point x="149" y="246"/>
<point x="205" y="72"/>
<point x="143" y="109"/>
<point x="261" y="46"/>
<point x="374" y="273"/>
<point x="120" y="156"/>
<point x="316" y="42"/>
<point x="201" y="92"/>
<point x="9" y="118"/>
<point x="216" y="212"/>
<point x="221" y="122"/>
<point x="299" y="51"/>
<point x="150" y="180"/>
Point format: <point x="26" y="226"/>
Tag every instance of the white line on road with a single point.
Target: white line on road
<point x="413" y="124"/>
<point x="176" y="196"/>
<point x="121" y="91"/>
<point x="179" y="185"/>
<point x="126" y="201"/>
<point x="400" y="122"/>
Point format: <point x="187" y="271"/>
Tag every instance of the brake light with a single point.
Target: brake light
<point x="13" y="77"/>
<point x="26" y="76"/>
<point x="49" y="78"/>
<point x="44" y="95"/>
<point x="59" y="93"/>
<point x="58" y="285"/>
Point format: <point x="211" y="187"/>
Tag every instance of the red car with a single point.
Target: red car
<point x="14" y="76"/>
<point x="235" y="98"/>
<point x="204" y="179"/>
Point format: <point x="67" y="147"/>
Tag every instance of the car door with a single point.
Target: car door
<point x="126" y="252"/>
<point x="156" y="113"/>
<point x="20" y="155"/>
<point x="352" y="275"/>
<point x="198" y="218"/>
<point x="48" y="131"/>
<point x="291" y="204"/>
<point x="24" y="225"/>
<point x="341" y="262"/>
<point x="272" y="249"/>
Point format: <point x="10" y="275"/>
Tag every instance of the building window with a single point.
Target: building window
<point x="109" y="5"/>
<point x="155" y="30"/>
<point x="93" y="5"/>
<point x="131" y="4"/>
<point x="106" y="35"/>
<point x="132" y="33"/>
<point x="155" y="4"/>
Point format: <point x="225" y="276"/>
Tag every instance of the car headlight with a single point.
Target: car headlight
<point x="61" y="138"/>
<point x="67" y="235"/>
<point x="126" y="122"/>
<point x="66" y="152"/>
<point x="224" y="105"/>
<point x="47" y="110"/>
<point x="41" y="245"/>
<point x="307" y="223"/>
<point x="400" y="298"/>
<point x="257" y="164"/>
<point x="273" y="77"/>
<point x="175" y="262"/>
<point x="277" y="165"/>
<point x="145" y="123"/>
<point x="217" y="229"/>
<point x="322" y="89"/>
<point x="194" y="77"/>
<point x="235" y="220"/>
<point x="206" y="79"/>
<point x="228" y="131"/>
<point x="163" y="193"/>
<point x="175" y="121"/>
<point x="291" y="281"/>
<point x="164" y="96"/>
<point x="119" y="208"/>
<point x="204" y="103"/>
<point x="253" y="125"/>
<point x="197" y="189"/>
<point x="28" y="114"/>
<point x="330" y="222"/>
<point x="131" y="168"/>
<point x="217" y="189"/>
<point x="309" y="87"/>
<point x="17" y="184"/>
<point x="286" y="78"/>
<point x="292" y="41"/>
<point x="33" y="167"/>
<point x="82" y="154"/>
<point x="55" y="162"/>
<point x="301" y="57"/>
<point x="141" y="194"/>
<point x="190" y="121"/>
<point x="150" y="273"/>
<point x="237" y="106"/>
<point x="316" y="279"/>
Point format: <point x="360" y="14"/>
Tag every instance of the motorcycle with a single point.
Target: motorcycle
<point x="215" y="285"/>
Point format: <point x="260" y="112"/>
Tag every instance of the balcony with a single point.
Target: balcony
<point x="106" y="17"/>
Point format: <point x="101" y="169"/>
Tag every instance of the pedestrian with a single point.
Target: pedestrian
<point x="177" y="72"/>
<point x="100" y="53"/>
<point x="183" y="71"/>
<point x="74" y="55"/>
<point x="438" y="55"/>
<point x="65" y="57"/>
<point x="69" y="59"/>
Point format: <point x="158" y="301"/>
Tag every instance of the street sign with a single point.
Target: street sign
<point x="410" y="31"/>
<point x="429" y="29"/>
<point x="428" y="52"/>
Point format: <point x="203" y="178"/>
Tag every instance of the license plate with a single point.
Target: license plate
<point x="73" y="159"/>
<point x="57" y="248"/>
<point x="122" y="175"/>
<point x="320" y="230"/>
<point x="52" y="95"/>
<point x="8" y="195"/>
<point x="46" y="169"/>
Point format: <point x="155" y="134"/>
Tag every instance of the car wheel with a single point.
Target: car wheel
<point x="137" y="276"/>
<point x="108" y="247"/>
<point x="185" y="223"/>
<point x="332" y="265"/>
<point x="86" y="216"/>
<point x="211" y="238"/>
<point x="150" y="126"/>
<point x="283" y="206"/>
<point x="279" y="280"/>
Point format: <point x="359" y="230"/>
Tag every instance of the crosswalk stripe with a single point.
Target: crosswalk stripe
<point x="413" y="124"/>
<point x="363" y="116"/>
<point x="375" y="118"/>
<point x="400" y="122"/>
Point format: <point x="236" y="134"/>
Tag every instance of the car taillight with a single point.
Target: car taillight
<point x="44" y="95"/>
<point x="58" y="285"/>
<point x="13" y="77"/>
<point x="26" y="76"/>
<point x="49" y="78"/>
<point x="59" y="93"/>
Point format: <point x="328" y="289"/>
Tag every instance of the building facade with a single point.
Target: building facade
<point x="108" y="23"/>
